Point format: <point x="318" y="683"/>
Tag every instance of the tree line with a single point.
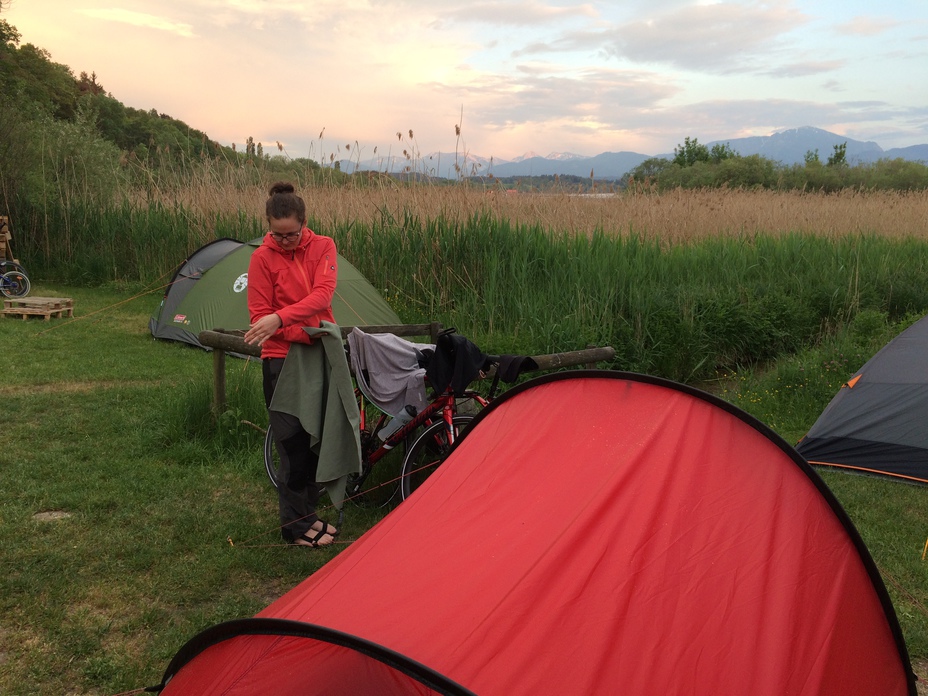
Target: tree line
<point x="695" y="165"/>
<point x="66" y="136"/>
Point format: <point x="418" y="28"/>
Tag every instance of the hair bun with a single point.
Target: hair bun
<point x="281" y="187"/>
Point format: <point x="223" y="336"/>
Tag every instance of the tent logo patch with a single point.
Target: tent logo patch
<point x="180" y="318"/>
<point x="240" y="283"/>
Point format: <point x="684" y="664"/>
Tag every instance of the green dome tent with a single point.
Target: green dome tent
<point x="209" y="291"/>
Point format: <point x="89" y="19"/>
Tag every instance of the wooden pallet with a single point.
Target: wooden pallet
<point x="46" y="307"/>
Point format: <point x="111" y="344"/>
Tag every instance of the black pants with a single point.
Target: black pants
<point x="298" y="492"/>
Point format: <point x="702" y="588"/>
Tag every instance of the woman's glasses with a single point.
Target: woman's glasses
<point x="288" y="236"/>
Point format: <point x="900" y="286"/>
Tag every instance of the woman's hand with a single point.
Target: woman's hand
<point x="263" y="329"/>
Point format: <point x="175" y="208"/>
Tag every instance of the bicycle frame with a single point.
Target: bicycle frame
<point x="443" y="406"/>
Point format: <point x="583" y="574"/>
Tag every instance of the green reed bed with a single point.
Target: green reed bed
<point x="89" y="245"/>
<point x="682" y="311"/>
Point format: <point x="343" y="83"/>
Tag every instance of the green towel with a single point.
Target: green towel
<point x="315" y="386"/>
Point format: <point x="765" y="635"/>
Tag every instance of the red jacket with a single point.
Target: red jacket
<point x="296" y="285"/>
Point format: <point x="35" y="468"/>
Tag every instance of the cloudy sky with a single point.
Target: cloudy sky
<point x="322" y="76"/>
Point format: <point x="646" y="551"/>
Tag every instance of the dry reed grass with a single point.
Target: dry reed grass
<point x="673" y="217"/>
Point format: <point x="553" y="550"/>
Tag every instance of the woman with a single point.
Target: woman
<point x="291" y="281"/>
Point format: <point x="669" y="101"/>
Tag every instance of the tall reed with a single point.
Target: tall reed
<point x="673" y="217"/>
<point x="686" y="284"/>
<point x="682" y="311"/>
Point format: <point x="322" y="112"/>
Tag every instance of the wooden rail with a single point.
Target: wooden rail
<point x="223" y="342"/>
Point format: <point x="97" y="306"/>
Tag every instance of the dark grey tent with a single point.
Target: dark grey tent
<point x="877" y="421"/>
<point x="209" y="291"/>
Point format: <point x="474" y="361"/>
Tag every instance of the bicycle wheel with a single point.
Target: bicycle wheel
<point x="379" y="484"/>
<point x="427" y="452"/>
<point x="375" y="493"/>
<point x="271" y="458"/>
<point x="7" y="266"/>
<point x="15" y="284"/>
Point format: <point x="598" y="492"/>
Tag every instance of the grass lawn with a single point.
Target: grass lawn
<point x="116" y="509"/>
<point x="113" y="533"/>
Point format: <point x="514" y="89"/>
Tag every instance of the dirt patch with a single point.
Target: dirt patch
<point x="51" y="516"/>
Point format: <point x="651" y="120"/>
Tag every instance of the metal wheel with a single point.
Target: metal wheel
<point x="378" y="485"/>
<point x="371" y="491"/>
<point x="15" y="284"/>
<point x="427" y="452"/>
<point x="7" y="266"/>
<point x="271" y="458"/>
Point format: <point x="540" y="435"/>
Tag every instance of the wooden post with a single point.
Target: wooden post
<point x="590" y="365"/>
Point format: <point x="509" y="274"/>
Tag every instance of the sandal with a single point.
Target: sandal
<point x="313" y="539"/>
<point x="324" y="527"/>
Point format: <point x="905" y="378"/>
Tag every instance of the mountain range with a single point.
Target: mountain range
<point x="786" y="147"/>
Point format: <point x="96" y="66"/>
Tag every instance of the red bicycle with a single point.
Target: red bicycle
<point x="426" y="437"/>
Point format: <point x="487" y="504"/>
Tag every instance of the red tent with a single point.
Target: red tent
<point x="593" y="533"/>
